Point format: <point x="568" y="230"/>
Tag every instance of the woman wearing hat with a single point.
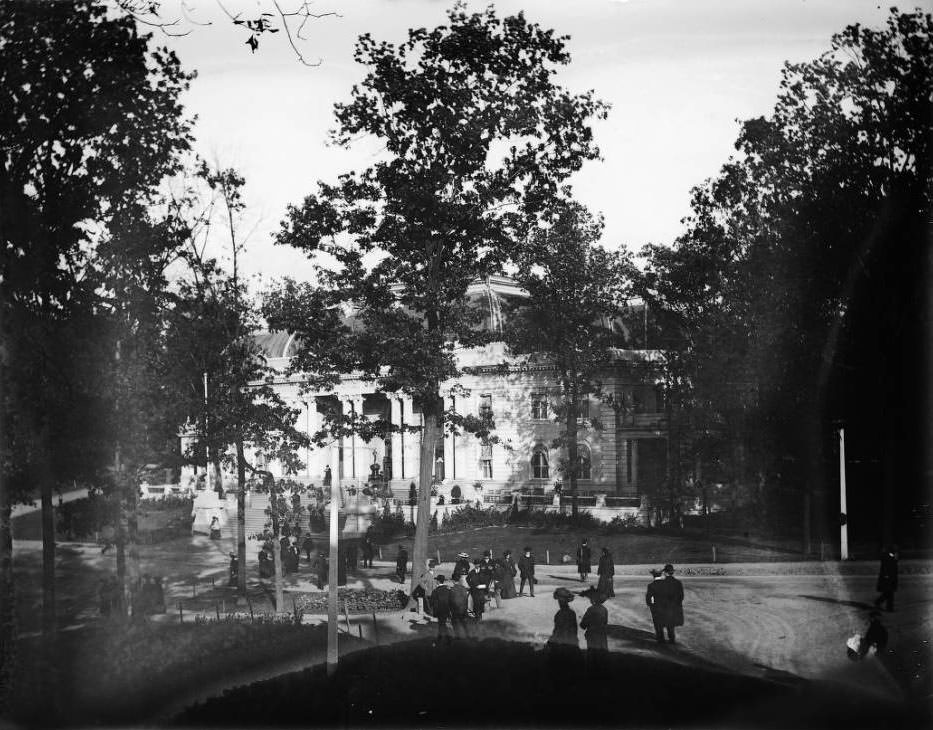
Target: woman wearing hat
<point x="596" y="624"/>
<point x="461" y="567"/>
<point x="565" y="621"/>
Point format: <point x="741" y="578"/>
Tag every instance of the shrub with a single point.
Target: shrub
<point x="472" y="516"/>
<point x="386" y="526"/>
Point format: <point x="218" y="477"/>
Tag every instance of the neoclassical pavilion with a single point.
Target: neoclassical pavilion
<point x="625" y="458"/>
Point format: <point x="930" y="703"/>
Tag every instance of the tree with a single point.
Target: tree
<point x="211" y="334"/>
<point x="91" y="120"/>
<point x="478" y="137"/>
<point x="804" y="256"/>
<point x="279" y="16"/>
<point x="576" y="289"/>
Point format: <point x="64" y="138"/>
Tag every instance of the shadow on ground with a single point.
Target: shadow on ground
<point x="416" y="685"/>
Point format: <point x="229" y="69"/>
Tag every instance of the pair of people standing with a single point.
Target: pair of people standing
<point x="606" y="570"/>
<point x="665" y="599"/>
<point x="595" y="623"/>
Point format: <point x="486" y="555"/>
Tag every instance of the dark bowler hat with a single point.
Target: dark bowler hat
<point x="668" y="568"/>
<point x="563" y="593"/>
<point x="440" y="578"/>
<point x="655" y="572"/>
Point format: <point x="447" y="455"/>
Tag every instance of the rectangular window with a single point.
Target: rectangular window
<point x="628" y="461"/>
<point x="485" y="460"/>
<point x="583" y="407"/>
<point x="539" y="406"/>
<point x="485" y="405"/>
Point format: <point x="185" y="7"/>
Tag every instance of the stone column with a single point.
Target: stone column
<point x="360" y="462"/>
<point x="395" y="415"/>
<point x="412" y="441"/>
<point x="315" y="454"/>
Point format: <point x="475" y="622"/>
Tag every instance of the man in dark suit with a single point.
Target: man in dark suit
<point x="526" y="568"/>
<point x="459" y="604"/>
<point x="654" y="599"/>
<point x="887" y="578"/>
<point x="672" y="591"/>
<point x="440" y="603"/>
<point x="478" y="580"/>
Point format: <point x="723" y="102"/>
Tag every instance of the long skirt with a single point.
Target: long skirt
<point x="508" y="587"/>
<point x="605" y="586"/>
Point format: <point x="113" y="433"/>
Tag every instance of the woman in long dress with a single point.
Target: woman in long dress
<point x="606" y="571"/>
<point x="509" y="571"/>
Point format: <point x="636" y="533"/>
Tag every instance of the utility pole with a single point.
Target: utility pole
<point x="843" y="518"/>
<point x="332" y="583"/>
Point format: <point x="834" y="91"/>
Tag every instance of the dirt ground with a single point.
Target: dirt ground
<point x="754" y="620"/>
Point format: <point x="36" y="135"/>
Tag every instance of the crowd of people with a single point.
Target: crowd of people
<point x="458" y="604"/>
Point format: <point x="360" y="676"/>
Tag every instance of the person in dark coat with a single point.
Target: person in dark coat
<point x="368" y="550"/>
<point x="887" y="578"/>
<point x="509" y="571"/>
<point x="565" y="622"/>
<point x="526" y="568"/>
<point x="307" y="546"/>
<point x="440" y="605"/>
<point x="234" y="571"/>
<point x="672" y="592"/>
<point x="459" y="607"/>
<point x="876" y="636"/>
<point x="401" y="563"/>
<point x="266" y="566"/>
<point x="595" y="623"/>
<point x="655" y="603"/>
<point x="584" y="561"/>
<point x="328" y="477"/>
<point x="478" y="581"/>
<point x="320" y="568"/>
<point x="461" y="567"/>
<point x="215" y="528"/>
<point x="606" y="571"/>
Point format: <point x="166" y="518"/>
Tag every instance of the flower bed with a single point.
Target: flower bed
<point x="356" y="601"/>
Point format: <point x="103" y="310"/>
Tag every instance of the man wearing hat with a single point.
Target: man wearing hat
<point x="584" y="560"/>
<point x="459" y="608"/>
<point x="478" y="580"/>
<point x="654" y="599"/>
<point x="440" y="603"/>
<point x="401" y="563"/>
<point x="672" y="591"/>
<point x="526" y="568"/>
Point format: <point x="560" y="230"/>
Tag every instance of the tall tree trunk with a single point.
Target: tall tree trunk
<point x="277" y="549"/>
<point x="132" y="537"/>
<point x="433" y="429"/>
<point x="7" y="598"/>
<point x="46" y="485"/>
<point x="241" y="517"/>
<point x="119" y="533"/>
<point x="48" y="678"/>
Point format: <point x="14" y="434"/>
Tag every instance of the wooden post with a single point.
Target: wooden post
<point x="380" y="552"/>
<point x="547" y="556"/>
<point x="181" y="613"/>
<point x="375" y="629"/>
<point x="714" y="553"/>
<point x="359" y="630"/>
<point x="346" y="616"/>
<point x="438" y="556"/>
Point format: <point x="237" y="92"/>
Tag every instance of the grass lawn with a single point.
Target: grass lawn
<point x="638" y="546"/>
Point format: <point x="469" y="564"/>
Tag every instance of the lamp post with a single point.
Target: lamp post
<point x="843" y="519"/>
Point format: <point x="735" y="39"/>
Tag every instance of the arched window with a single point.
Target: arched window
<point x="539" y="463"/>
<point x="583" y="458"/>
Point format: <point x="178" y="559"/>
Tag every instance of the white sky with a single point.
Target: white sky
<point x="678" y="74"/>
